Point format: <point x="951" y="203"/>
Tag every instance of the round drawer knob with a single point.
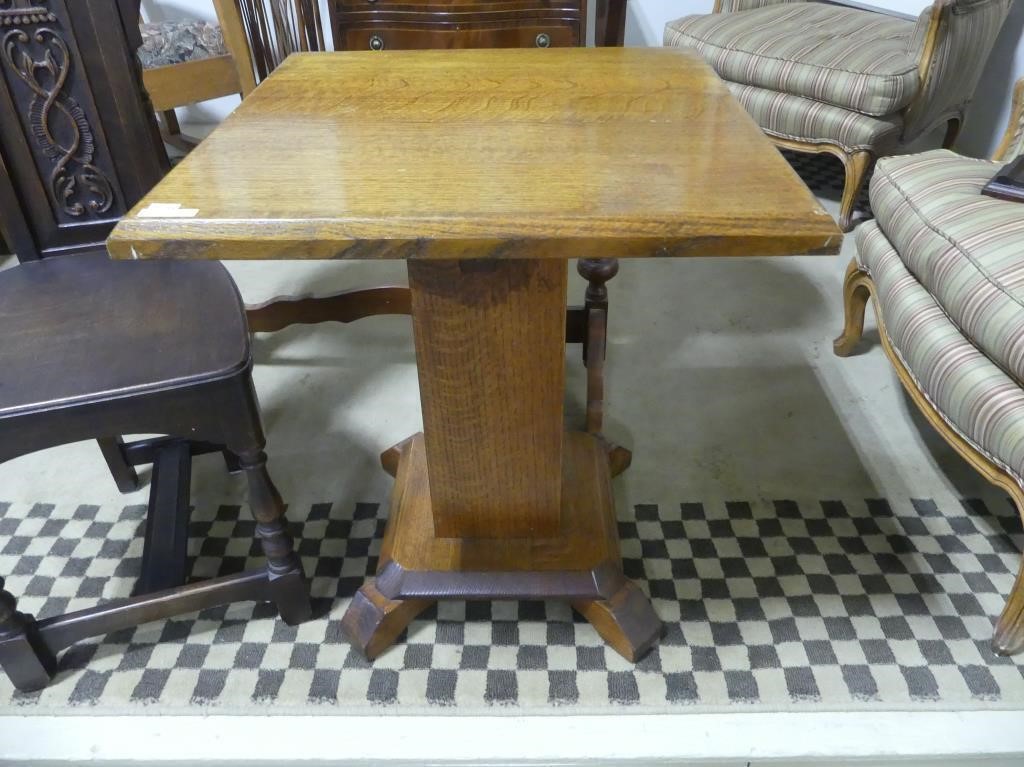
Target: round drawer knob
<point x="376" y="43"/>
<point x="543" y="40"/>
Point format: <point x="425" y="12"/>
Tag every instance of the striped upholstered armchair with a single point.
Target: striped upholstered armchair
<point x="944" y="266"/>
<point x="856" y="84"/>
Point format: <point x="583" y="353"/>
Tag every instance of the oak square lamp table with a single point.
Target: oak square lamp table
<point x="487" y="170"/>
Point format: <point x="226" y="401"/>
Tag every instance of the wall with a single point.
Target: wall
<point x="645" y="23"/>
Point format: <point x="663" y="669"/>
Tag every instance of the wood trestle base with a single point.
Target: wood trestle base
<point x="581" y="565"/>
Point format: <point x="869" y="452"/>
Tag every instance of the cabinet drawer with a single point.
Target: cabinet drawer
<point x="395" y="36"/>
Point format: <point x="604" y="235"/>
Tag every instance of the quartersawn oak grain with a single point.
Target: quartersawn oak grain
<point x="558" y="153"/>
<point x="490" y="353"/>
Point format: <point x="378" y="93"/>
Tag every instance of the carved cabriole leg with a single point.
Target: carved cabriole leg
<point x="1008" y="637"/>
<point x="284" y="570"/>
<point x="28" y="663"/>
<point x="856" y="166"/>
<point x="856" y="292"/>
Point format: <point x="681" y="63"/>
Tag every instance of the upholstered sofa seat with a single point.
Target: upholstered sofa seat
<point x="965" y="249"/>
<point x="167" y="43"/>
<point x="977" y="397"/>
<point x="784" y="116"/>
<point x="831" y="54"/>
<point x="944" y="265"/>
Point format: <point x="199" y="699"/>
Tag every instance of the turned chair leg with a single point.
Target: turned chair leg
<point x="287" y="582"/>
<point x="29" y="664"/>
<point x="597" y="272"/>
<point x="856" y="166"/>
<point x="124" y="473"/>
<point x="856" y="292"/>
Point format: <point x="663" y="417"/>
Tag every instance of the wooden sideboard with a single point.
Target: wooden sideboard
<point x="78" y="142"/>
<point x="407" y="24"/>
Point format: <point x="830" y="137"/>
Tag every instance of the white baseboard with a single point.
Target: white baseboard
<point x="918" y="739"/>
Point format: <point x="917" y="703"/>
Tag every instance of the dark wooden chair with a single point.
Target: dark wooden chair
<point x="96" y="349"/>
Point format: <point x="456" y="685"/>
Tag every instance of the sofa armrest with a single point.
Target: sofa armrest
<point x="728" y="6"/>
<point x="1012" y="144"/>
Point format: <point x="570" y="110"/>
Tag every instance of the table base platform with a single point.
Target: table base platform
<point x="581" y="565"/>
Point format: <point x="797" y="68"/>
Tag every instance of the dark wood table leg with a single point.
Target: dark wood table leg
<point x="495" y="500"/>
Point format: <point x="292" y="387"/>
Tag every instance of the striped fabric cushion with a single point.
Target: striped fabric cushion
<point x="727" y="6"/>
<point x="978" y="399"/>
<point x="966" y="249"/>
<point x="845" y="57"/>
<point x="795" y="117"/>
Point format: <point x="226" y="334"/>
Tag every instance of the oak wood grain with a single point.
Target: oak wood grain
<point x="516" y="153"/>
<point x="586" y="538"/>
<point x="490" y="353"/>
<point x="580" y="562"/>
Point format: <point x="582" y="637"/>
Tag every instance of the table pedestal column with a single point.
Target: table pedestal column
<point x="495" y="500"/>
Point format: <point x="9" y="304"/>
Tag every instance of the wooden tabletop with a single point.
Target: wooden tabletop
<point x="556" y="153"/>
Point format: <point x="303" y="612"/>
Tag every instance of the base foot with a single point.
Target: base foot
<point x="580" y="564"/>
<point x="291" y="595"/>
<point x="27" y="660"/>
<point x="626" y="621"/>
<point x="373" y="622"/>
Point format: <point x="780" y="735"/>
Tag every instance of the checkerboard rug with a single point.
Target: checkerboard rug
<point x="768" y="605"/>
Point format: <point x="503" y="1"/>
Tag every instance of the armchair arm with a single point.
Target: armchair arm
<point x="1013" y="140"/>
<point x="229" y="16"/>
<point x="728" y="6"/>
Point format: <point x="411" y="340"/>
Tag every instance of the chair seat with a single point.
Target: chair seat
<point x="77" y="329"/>
<point x="799" y="118"/>
<point x="963" y="247"/>
<point x="849" y="58"/>
<point x="975" y="396"/>
<point x="175" y="42"/>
